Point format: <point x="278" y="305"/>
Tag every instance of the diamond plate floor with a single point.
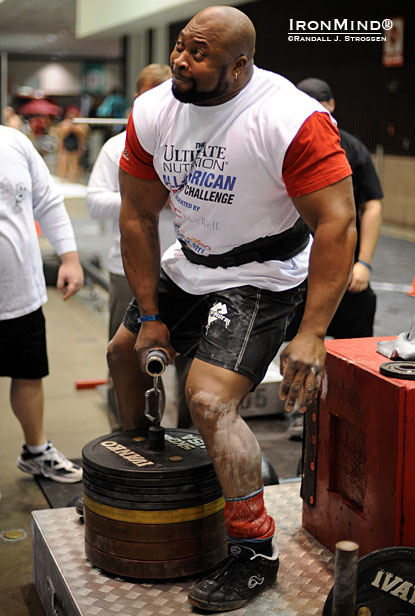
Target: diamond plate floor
<point x="304" y="579"/>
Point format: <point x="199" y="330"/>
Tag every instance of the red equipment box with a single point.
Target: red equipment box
<point x="365" y="456"/>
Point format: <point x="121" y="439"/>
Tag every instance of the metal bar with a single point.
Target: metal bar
<point x="345" y="579"/>
<point x="3" y="83"/>
<point x="95" y="274"/>
<point x="100" y="121"/>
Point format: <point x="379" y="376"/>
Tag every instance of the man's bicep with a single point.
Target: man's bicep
<point x="334" y="202"/>
<point x="142" y="195"/>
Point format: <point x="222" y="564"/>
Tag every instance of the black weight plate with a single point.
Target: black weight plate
<point x="184" y="479"/>
<point x="156" y="570"/>
<point x="120" y="454"/>
<point x="398" y="369"/>
<point x="385" y="584"/>
<point x="191" y="499"/>
<point x="156" y="551"/>
<point x="150" y="506"/>
<point x="154" y="533"/>
<point x="182" y="490"/>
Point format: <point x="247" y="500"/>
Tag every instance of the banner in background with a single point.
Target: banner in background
<point x="393" y="46"/>
<point x="93" y="78"/>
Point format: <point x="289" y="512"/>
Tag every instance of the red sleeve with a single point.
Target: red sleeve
<point x="134" y="159"/>
<point x="314" y="158"/>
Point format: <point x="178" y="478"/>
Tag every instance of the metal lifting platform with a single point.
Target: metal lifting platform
<point x="68" y="585"/>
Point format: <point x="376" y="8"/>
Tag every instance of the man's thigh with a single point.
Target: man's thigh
<point x="120" y="296"/>
<point x="244" y="328"/>
<point x="239" y="329"/>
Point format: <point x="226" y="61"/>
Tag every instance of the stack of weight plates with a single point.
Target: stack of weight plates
<point x="152" y="514"/>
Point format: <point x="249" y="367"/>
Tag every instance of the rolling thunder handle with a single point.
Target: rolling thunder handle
<point x="156" y="362"/>
<point x="155" y="365"/>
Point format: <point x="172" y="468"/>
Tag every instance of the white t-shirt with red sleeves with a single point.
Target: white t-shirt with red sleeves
<point x="232" y="170"/>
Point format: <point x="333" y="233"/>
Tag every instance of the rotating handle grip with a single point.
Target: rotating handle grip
<point x="156" y="362"/>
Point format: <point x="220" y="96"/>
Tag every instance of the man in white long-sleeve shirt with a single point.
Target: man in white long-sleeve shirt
<point x="27" y="194"/>
<point x="103" y="202"/>
<point x="103" y="199"/>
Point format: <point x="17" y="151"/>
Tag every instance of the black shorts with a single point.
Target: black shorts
<point x="23" y="352"/>
<point x="240" y="329"/>
<point x="355" y="316"/>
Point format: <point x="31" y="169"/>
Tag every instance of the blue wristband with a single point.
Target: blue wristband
<point x="149" y="317"/>
<point x="369" y="267"/>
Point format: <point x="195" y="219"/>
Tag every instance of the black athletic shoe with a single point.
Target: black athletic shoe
<point x="235" y="581"/>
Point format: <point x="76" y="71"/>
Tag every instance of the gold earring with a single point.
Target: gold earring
<point x="236" y="75"/>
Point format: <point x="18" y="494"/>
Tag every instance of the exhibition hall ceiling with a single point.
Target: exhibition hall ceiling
<point x="46" y="27"/>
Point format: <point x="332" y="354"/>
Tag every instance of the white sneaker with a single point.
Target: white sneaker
<point x="50" y="463"/>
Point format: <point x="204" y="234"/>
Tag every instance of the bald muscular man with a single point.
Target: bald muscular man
<point x="245" y="158"/>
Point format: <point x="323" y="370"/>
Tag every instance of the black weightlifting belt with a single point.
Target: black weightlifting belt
<point x="281" y="246"/>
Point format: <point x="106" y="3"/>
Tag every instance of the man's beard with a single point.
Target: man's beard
<point x="193" y="96"/>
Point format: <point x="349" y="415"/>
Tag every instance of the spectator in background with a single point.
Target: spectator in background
<point x="71" y="144"/>
<point x="355" y="315"/>
<point x="113" y="106"/>
<point x="11" y="118"/>
<point x="104" y="202"/>
<point x="27" y="194"/>
<point x="39" y="125"/>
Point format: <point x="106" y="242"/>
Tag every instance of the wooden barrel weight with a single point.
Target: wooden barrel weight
<point x="153" y="515"/>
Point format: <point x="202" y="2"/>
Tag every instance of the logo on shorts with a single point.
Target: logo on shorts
<point x="217" y="313"/>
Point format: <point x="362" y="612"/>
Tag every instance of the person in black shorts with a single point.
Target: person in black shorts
<point x="27" y="194"/>
<point x="236" y="149"/>
<point x="355" y="315"/>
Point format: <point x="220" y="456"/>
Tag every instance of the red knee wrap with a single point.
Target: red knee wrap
<point x="248" y="518"/>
